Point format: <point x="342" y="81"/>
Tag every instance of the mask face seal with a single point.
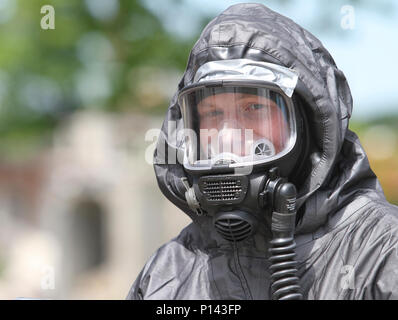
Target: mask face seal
<point x="237" y="114"/>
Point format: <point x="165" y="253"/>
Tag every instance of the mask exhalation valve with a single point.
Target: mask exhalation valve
<point x="234" y="226"/>
<point x="264" y="147"/>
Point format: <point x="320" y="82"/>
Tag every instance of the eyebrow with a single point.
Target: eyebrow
<point x="205" y="106"/>
<point x="239" y="96"/>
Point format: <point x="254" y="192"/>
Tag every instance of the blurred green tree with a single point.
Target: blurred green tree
<point x="94" y="58"/>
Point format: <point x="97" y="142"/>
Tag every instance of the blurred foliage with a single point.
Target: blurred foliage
<point x="91" y="59"/>
<point x="379" y="138"/>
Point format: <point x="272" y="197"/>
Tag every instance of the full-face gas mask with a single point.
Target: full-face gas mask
<point x="242" y="141"/>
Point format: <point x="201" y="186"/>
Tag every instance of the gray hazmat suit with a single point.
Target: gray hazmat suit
<point x="347" y="234"/>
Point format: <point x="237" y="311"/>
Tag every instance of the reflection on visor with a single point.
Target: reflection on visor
<point x="236" y="124"/>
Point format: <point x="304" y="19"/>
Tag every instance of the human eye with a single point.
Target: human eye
<point x="255" y="106"/>
<point x="211" y="113"/>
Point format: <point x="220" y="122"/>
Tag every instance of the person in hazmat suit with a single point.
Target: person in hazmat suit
<point x="255" y="149"/>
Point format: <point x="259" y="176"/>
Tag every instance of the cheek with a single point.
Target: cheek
<point x="207" y="137"/>
<point x="208" y="123"/>
<point x="275" y="129"/>
<point x="279" y="130"/>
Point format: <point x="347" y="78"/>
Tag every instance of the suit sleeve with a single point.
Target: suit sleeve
<point x="136" y="292"/>
<point x="386" y="284"/>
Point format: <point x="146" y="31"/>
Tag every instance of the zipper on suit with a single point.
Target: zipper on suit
<point x="240" y="273"/>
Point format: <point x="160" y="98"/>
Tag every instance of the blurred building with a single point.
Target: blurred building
<point x="80" y="221"/>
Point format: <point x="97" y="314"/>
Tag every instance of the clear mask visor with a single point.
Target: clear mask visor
<point x="236" y="125"/>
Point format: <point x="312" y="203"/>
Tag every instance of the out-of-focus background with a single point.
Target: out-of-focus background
<point x="80" y="210"/>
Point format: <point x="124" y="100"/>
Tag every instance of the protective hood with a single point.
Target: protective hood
<point x="333" y="173"/>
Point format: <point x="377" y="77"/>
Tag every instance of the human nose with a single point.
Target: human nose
<point x="230" y="136"/>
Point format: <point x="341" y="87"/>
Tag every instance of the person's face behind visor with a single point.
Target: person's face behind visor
<point x="234" y="122"/>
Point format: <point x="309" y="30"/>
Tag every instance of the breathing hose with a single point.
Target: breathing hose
<point x="284" y="279"/>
